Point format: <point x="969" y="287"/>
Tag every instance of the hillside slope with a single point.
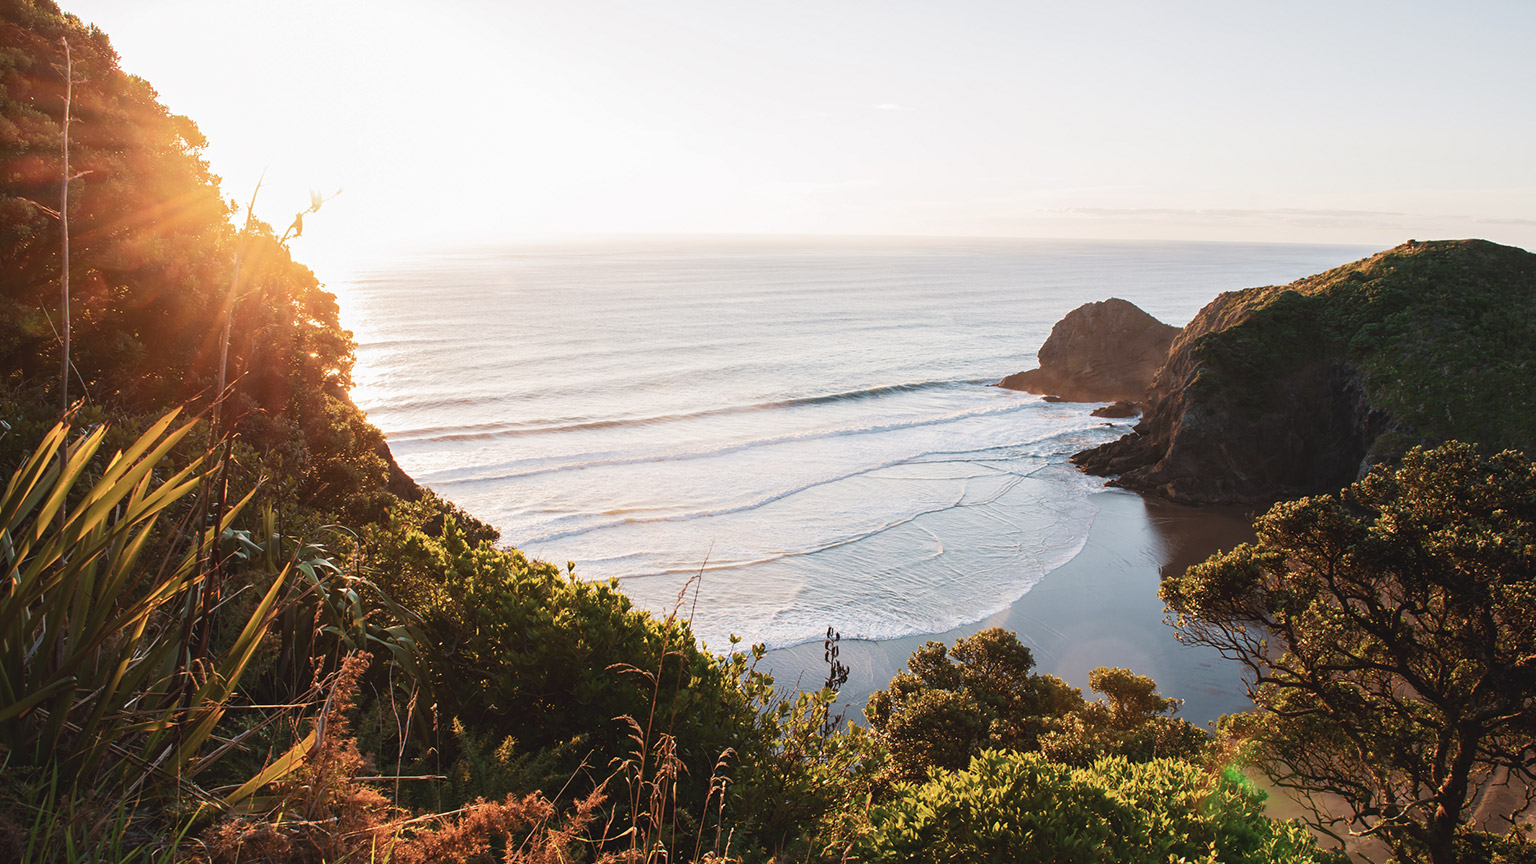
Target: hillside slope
<point x="1285" y="390"/>
<point x="153" y="250"/>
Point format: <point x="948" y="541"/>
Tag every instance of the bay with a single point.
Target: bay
<point x="773" y="435"/>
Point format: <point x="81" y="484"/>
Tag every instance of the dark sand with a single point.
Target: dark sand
<point x="1099" y="609"/>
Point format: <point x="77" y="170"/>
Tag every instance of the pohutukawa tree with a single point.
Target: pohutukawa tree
<point x="1389" y="632"/>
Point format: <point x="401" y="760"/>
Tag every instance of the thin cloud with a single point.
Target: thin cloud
<point x="1509" y="221"/>
<point x="892" y="106"/>
<point x="1231" y="213"/>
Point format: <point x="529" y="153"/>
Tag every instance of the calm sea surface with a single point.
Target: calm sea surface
<point x="807" y="423"/>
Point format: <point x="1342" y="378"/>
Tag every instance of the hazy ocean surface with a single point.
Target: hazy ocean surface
<point x="806" y="422"/>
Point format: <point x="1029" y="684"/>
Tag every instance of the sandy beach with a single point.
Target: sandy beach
<point x="1099" y="609"/>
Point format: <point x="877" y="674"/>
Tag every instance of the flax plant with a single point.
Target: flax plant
<point x="54" y="825"/>
<point x="97" y="679"/>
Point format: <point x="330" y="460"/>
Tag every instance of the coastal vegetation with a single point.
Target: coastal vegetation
<point x="1287" y="390"/>
<point x="1389" y="638"/>
<point x="256" y="640"/>
<point x="952" y="703"/>
<point x="1011" y="806"/>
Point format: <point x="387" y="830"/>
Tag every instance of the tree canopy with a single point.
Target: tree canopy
<point x="951" y="703"/>
<point x="1389" y="632"/>
<point x="153" y="249"/>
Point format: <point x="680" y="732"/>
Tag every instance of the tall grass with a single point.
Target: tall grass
<point x="113" y="704"/>
<point x="47" y="823"/>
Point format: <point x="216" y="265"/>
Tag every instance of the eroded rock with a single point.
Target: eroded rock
<point x="1100" y="352"/>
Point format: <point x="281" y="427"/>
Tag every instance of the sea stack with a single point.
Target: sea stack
<point x="1100" y="352"/>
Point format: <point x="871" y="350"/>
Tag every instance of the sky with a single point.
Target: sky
<point x="475" y="121"/>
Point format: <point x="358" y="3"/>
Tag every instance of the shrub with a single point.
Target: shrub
<point x="948" y="705"/>
<point x="523" y="650"/>
<point x="1019" y="807"/>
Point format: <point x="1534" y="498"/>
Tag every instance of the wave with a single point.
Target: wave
<point x="404" y="402"/>
<point x="710" y="567"/>
<point x="414" y="342"/>
<point x="905" y="519"/>
<point x="762" y="501"/>
<point x="523" y="468"/>
<point x="484" y="431"/>
<point x="780" y="494"/>
<point x="1005" y="579"/>
<point x="789" y="627"/>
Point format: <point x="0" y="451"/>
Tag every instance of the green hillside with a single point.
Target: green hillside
<point x="1283" y="390"/>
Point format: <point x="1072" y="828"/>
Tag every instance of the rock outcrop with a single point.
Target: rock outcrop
<point x="401" y="484"/>
<point x="1116" y="410"/>
<point x="1100" y="352"/>
<point x="1276" y="392"/>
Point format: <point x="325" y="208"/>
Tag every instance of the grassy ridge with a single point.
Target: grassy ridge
<point x="1444" y="332"/>
<point x="1290" y="390"/>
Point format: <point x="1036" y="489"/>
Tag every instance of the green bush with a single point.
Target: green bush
<point x="1478" y="847"/>
<point x="800" y="787"/>
<point x="526" y="651"/>
<point x="1019" y="807"/>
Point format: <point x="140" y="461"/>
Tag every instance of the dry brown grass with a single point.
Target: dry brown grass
<point x="324" y="814"/>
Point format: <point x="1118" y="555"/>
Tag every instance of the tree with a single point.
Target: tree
<point x="1132" y="720"/>
<point x="1389" y="633"/>
<point x="949" y="704"/>
<point x="148" y="321"/>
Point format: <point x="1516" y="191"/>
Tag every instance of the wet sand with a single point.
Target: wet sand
<point x="1099" y="609"/>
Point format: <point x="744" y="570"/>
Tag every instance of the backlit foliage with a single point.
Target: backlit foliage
<point x="1020" y="807"/>
<point x="1389" y="633"/>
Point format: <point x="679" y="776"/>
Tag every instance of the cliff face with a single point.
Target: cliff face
<point x="1282" y="391"/>
<point x="1100" y="352"/>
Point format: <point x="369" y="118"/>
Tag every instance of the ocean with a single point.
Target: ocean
<point x="773" y="435"/>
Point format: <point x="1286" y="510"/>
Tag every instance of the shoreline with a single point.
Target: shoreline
<point x="1098" y="609"/>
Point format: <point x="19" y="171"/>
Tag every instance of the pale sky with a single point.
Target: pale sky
<point x="472" y="121"/>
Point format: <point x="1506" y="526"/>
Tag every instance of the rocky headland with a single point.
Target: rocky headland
<point x="1100" y="352"/>
<point x="1281" y="391"/>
